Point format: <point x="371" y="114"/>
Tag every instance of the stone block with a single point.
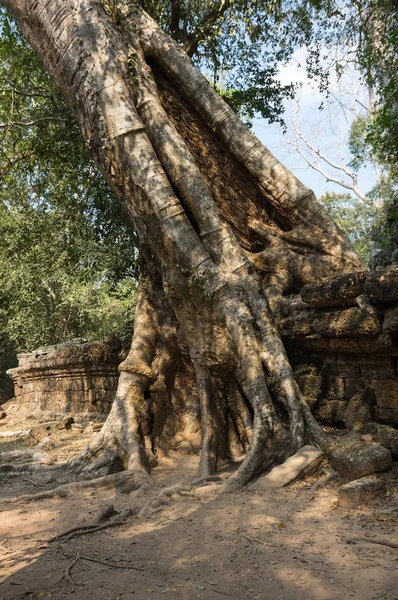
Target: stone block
<point x="377" y="367"/>
<point x="101" y="407"/>
<point x="360" y="492"/>
<point x="386" y="415"/>
<point x="385" y="436"/>
<point x="304" y="461"/>
<point x="30" y="398"/>
<point x="25" y="388"/>
<point x="354" y="458"/>
<point x="97" y="381"/>
<point x="99" y="395"/>
<point x="347" y="366"/>
<point x="89" y="383"/>
<point x="50" y="385"/>
<point x="39" y="385"/>
<point x="110" y="383"/>
<point x="330" y="364"/>
<point x="382" y="286"/>
<point x="332" y="411"/>
<point x="353" y="387"/>
<point x="310" y="383"/>
<point x="333" y="290"/>
<point x="75" y="384"/>
<point x="390" y="323"/>
<point x="334" y="323"/>
<point x="80" y="407"/>
<point x="386" y="393"/>
<point x="357" y="416"/>
<point x="333" y="388"/>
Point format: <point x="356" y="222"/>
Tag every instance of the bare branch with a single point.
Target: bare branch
<point x="317" y="156"/>
<point x="348" y="186"/>
<point x="363" y="105"/>
<point x="317" y="152"/>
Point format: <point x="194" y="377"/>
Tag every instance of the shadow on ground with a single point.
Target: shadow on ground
<point x="286" y="544"/>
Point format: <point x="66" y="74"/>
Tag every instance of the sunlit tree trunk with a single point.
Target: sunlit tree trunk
<point x="224" y="231"/>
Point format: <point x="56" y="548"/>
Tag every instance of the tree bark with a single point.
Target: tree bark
<point x="224" y="231"/>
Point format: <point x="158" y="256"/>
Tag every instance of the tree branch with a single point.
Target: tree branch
<point x="348" y="186"/>
<point x="204" y="27"/>
<point x="12" y="163"/>
<point x="175" y="16"/>
<point x="11" y="124"/>
<point x="314" y="164"/>
<point x="32" y="92"/>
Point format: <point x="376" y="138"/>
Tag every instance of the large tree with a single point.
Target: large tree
<point x="224" y="231"/>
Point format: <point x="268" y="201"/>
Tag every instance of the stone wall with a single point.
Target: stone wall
<point x="329" y="381"/>
<point x="341" y="336"/>
<point x="76" y="378"/>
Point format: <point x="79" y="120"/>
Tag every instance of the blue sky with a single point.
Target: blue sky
<point x="328" y="129"/>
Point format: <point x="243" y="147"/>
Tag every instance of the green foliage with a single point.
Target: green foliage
<point x="358" y="143"/>
<point x="385" y="227"/>
<point x="58" y="279"/>
<point x="241" y="44"/>
<point x="378" y="60"/>
<point x="364" y="149"/>
<point x="355" y="218"/>
<point x="67" y="254"/>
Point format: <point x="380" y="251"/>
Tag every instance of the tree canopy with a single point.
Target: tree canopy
<point x="60" y="218"/>
<point x="68" y="259"/>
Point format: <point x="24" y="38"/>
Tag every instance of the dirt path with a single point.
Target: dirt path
<point x="284" y="545"/>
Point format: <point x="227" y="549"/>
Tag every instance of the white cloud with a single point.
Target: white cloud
<point x="327" y="129"/>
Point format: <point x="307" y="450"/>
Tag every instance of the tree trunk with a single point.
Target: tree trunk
<point x="224" y="231"/>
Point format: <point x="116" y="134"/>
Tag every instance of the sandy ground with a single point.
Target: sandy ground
<point x="293" y="543"/>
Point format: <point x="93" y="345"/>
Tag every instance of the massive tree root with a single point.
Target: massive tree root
<point x="225" y="230"/>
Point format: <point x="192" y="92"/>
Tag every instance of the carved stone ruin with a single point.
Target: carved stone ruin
<point x="76" y="378"/>
<point x="341" y="335"/>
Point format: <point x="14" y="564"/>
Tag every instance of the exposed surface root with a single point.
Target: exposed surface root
<point x="19" y="433"/>
<point x="137" y="479"/>
<point x="103" y="515"/>
<point x="93" y="528"/>
<point x="28" y="480"/>
<point x="66" y="575"/>
<point x="328" y="475"/>
<point x="86" y="560"/>
<point x="200" y="481"/>
<point x="164" y="497"/>
<point x="258" y="545"/>
<point x="8" y="460"/>
<point x="109" y="564"/>
<point x="380" y="541"/>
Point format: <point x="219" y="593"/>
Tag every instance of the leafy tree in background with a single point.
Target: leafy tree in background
<point x="354" y="217"/>
<point x="68" y="258"/>
<point x="371" y="32"/>
<point x="384" y="232"/>
<point x="58" y="280"/>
